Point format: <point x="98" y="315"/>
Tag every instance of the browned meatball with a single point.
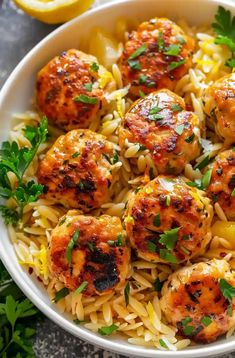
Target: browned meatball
<point x="78" y="170"/>
<point x="98" y="259"/>
<point x="168" y="221"/>
<point x="219" y="105"/>
<point x="193" y="300"/>
<point x="160" y="123"/>
<point x="66" y="93"/>
<point x="155" y="56"/>
<point x="222" y="184"/>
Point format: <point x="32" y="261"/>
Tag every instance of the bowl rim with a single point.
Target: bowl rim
<point x="56" y="317"/>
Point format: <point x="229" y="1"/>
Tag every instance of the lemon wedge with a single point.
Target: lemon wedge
<point x="54" y="11"/>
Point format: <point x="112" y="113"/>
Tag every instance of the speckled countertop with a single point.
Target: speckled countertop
<point x="18" y="34"/>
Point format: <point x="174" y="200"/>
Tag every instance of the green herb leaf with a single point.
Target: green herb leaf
<point x="134" y="64"/>
<point x="172" y="50"/>
<point x="168" y="200"/>
<point x="160" y="42"/>
<point x="61" y="294"/>
<point x="86" y="99"/>
<point x="78" y="321"/>
<point x="168" y="256"/>
<point x="138" y="52"/>
<point x="127" y="293"/>
<point x="162" y="343"/>
<point x="71" y="245"/>
<point x="175" y="64"/>
<point x="151" y="246"/>
<point x="181" y="40"/>
<point x="156" y="117"/>
<point x="231" y="63"/>
<point x="186" y="320"/>
<point x="115" y="158"/>
<point x="206" y="321"/>
<point x="118" y="242"/>
<point x="75" y="155"/>
<point x="179" y="129"/>
<point x="107" y="330"/>
<point x="157" y="220"/>
<point x="190" y="138"/>
<point x="95" y="67"/>
<point x="88" y="87"/>
<point x="203" y="163"/>
<point x="157" y="285"/>
<point x="227" y="290"/>
<point x="142" y="79"/>
<point x="155" y="110"/>
<point x="206" y="179"/>
<point x="188" y="330"/>
<point x="82" y="287"/>
<point x="142" y="94"/>
<point x="176" y="107"/>
<point x="169" y="238"/>
<point x="233" y="192"/>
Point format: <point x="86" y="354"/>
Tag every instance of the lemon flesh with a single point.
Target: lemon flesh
<point x="54" y="11"/>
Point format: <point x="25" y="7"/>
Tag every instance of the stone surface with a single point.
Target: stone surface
<point x="18" y="34"/>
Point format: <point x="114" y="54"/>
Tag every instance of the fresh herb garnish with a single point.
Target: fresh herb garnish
<point x="203" y="183"/>
<point x="157" y="285"/>
<point x="71" y="245"/>
<point x="224" y="27"/>
<point x="142" y="79"/>
<point x="169" y="238"/>
<point x="179" y="129"/>
<point x="176" y="107"/>
<point x="181" y="40"/>
<point x="162" y="343"/>
<point x="142" y="94"/>
<point x="175" y="64"/>
<point x="203" y="163"/>
<point x="172" y="50"/>
<point x="160" y="42"/>
<point x="206" y="321"/>
<point x="85" y="99"/>
<point x="227" y="290"/>
<point x="95" y="67"/>
<point x="107" y="330"/>
<point x="151" y="246"/>
<point x="118" y="242"/>
<point x="82" y="287"/>
<point x="134" y="64"/>
<point x="16" y="160"/>
<point x="157" y="220"/>
<point x="168" y="256"/>
<point x="156" y="117"/>
<point x="168" y="200"/>
<point x="127" y="293"/>
<point x="188" y="330"/>
<point x="233" y="192"/>
<point x="138" y="52"/>
<point x="61" y="294"/>
<point x="88" y="87"/>
<point x="155" y="110"/>
<point x="115" y="158"/>
<point x="190" y="138"/>
<point x="62" y="221"/>
<point x="75" y="155"/>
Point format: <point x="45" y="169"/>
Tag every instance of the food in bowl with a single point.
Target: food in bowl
<point x="145" y="236"/>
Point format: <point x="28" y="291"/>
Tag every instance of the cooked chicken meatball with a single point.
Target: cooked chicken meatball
<point x="161" y="124"/>
<point x="219" y="105"/>
<point x="155" y="56"/>
<point x="77" y="171"/>
<point x="194" y="299"/>
<point x="68" y="92"/>
<point x="222" y="184"/>
<point x="89" y="251"/>
<point x="168" y="221"/>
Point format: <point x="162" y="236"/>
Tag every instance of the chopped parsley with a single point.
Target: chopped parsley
<point x="179" y="129"/>
<point x="162" y="343"/>
<point x="181" y="40"/>
<point x="107" y="330"/>
<point x="175" y="64"/>
<point x="61" y="294"/>
<point x="203" y="183"/>
<point x="75" y="155"/>
<point x="151" y="246"/>
<point x="190" y="138"/>
<point x="156" y="117"/>
<point x="157" y="285"/>
<point x="206" y="321"/>
<point x="187" y="329"/>
<point x="176" y="107"/>
<point x="115" y="158"/>
<point x="157" y="220"/>
<point x="88" y="87"/>
<point x="160" y="42"/>
<point x="138" y="52"/>
<point x="168" y="256"/>
<point x="203" y="163"/>
<point x="127" y="293"/>
<point x="172" y="50"/>
<point x="224" y="26"/>
<point x="86" y="99"/>
<point x="155" y="110"/>
<point x="62" y="221"/>
<point x="95" y="67"/>
<point x="169" y="238"/>
<point x="227" y="290"/>
<point x="71" y="245"/>
<point x="118" y="242"/>
<point x="134" y="64"/>
<point x="142" y="94"/>
<point x="82" y="287"/>
<point x="142" y="79"/>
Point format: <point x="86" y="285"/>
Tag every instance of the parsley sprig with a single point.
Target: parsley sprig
<point x="16" y="160"/>
<point x="224" y="27"/>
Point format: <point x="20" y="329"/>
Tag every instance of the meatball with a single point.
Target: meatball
<point x="160" y="123"/>
<point x="77" y="171"/>
<point x="67" y="90"/>
<point x="219" y="105"/>
<point x="168" y="221"/>
<point x="193" y="300"/>
<point x="222" y="185"/>
<point x="90" y="251"/>
<point x="155" y="56"/>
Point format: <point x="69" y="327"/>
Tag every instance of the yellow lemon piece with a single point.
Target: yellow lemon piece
<point x="54" y="11"/>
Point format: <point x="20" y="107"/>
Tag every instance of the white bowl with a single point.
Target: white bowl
<point x="15" y="97"/>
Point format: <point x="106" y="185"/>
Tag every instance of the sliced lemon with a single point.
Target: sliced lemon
<point x="54" y="11"/>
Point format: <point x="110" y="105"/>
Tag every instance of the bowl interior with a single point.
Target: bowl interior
<point x="16" y="96"/>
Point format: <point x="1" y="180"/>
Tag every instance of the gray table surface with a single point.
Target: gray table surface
<point x="18" y="34"/>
